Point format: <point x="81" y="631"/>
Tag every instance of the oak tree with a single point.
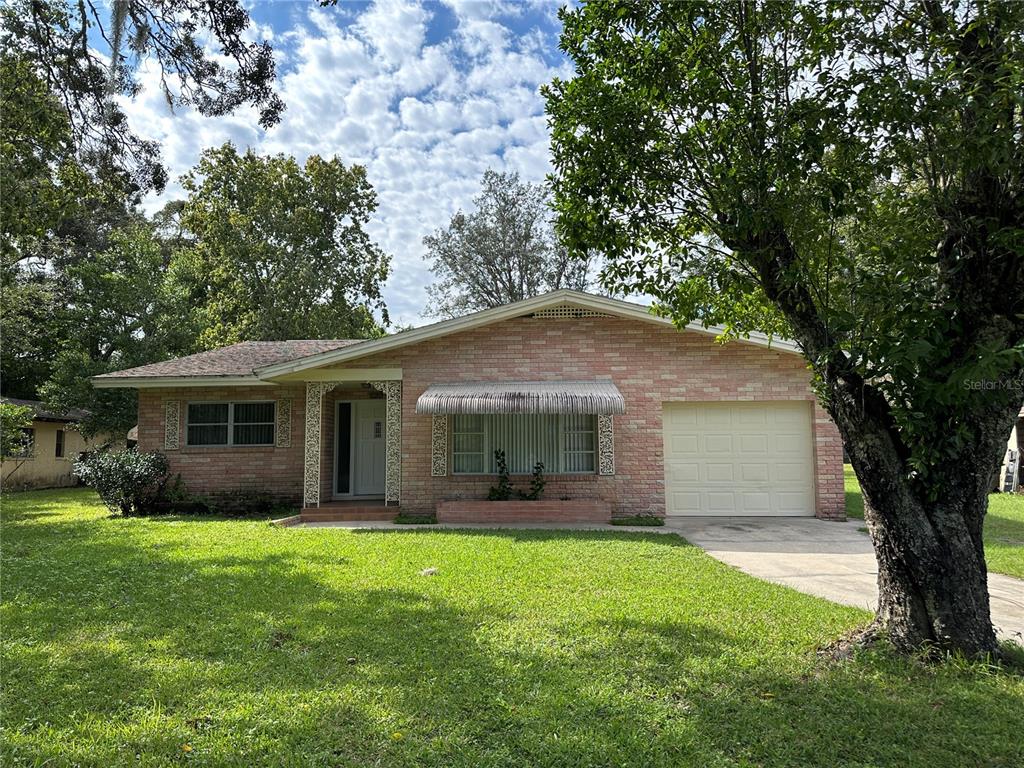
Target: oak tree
<point x="86" y="53"/>
<point x="279" y="250"/>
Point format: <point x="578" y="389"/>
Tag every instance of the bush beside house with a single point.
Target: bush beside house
<point x="134" y="483"/>
<point x="128" y="482"/>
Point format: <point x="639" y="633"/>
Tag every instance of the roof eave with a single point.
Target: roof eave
<point x="153" y="382"/>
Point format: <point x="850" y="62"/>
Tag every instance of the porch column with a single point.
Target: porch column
<point x="315" y="391"/>
<point x="392" y="439"/>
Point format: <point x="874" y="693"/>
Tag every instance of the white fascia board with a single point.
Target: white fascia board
<point x="154" y="382"/>
<point x="340" y="375"/>
<point x="602" y="304"/>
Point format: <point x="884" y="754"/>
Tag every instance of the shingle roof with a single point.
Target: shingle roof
<point x="41" y="413"/>
<point x="237" y="360"/>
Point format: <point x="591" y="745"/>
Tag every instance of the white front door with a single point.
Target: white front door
<point x="369" y="454"/>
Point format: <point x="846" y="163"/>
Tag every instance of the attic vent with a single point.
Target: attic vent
<point x="567" y="312"/>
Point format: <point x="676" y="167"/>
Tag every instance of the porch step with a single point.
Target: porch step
<point x="329" y="514"/>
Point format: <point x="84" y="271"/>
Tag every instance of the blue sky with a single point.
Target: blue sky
<point x="426" y="95"/>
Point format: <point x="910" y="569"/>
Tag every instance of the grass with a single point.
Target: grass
<point x="163" y="642"/>
<point x="1004" y="526"/>
<point x="854" y="498"/>
<point x="1004" y="534"/>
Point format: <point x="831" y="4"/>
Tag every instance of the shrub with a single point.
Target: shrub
<point x="419" y="519"/>
<point x="128" y="482"/>
<point x="537" y="483"/>
<point x="638" y="520"/>
<point x="503" y="490"/>
<point x="247" y="502"/>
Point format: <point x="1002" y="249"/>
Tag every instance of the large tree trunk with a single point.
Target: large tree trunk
<point x="925" y="454"/>
<point x="932" y="578"/>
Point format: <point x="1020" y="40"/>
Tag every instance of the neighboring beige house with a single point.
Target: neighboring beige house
<point x="55" y="443"/>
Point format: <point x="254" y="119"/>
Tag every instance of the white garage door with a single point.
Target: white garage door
<point x="738" y="458"/>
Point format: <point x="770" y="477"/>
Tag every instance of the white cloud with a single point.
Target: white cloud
<point x="395" y="29"/>
<point x="375" y="85"/>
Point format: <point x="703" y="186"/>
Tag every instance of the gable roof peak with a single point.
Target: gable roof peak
<point x="598" y="305"/>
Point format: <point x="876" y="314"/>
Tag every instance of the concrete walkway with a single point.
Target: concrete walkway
<point x="830" y="560"/>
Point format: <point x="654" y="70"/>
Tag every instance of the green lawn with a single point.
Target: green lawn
<point x="169" y="642"/>
<point x="1004" y="526"/>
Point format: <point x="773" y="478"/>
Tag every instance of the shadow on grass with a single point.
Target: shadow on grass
<point x="1003" y="528"/>
<point x="117" y="645"/>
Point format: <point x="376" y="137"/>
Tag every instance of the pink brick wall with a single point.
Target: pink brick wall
<point x="649" y="364"/>
<point x="545" y="510"/>
<point x="213" y="471"/>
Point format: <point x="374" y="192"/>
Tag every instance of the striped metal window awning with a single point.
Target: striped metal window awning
<point x="586" y="397"/>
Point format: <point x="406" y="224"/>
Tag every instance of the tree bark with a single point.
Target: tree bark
<point x="927" y="533"/>
<point x="925" y="479"/>
<point x="932" y="577"/>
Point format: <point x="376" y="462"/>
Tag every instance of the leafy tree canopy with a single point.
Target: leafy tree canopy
<point x="848" y="174"/>
<point x="13" y="419"/>
<point x="120" y="311"/>
<point x="86" y="53"/>
<point x="280" y="250"/>
<point x="503" y="251"/>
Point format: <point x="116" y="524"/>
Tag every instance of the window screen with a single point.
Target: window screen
<point x="564" y="443"/>
<point x="253" y="424"/>
<point x="208" y="423"/>
<point x="246" y="423"/>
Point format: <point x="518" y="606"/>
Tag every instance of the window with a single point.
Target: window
<point x="564" y="443"/>
<point x="249" y="423"/>
<point x="59" y="451"/>
<point x="343" y="452"/>
<point x="253" y="424"/>
<point x="208" y="423"/>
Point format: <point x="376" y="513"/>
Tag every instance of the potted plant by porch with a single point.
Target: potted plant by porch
<point x="505" y="505"/>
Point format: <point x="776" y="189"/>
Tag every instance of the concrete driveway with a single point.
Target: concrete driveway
<point x="830" y="560"/>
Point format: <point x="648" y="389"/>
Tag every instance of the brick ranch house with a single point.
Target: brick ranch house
<point x="628" y="414"/>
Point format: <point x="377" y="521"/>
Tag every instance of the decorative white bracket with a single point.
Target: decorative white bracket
<point x="172" y="425"/>
<point x="605" y="445"/>
<point x="283" y="438"/>
<point x="439" y="446"/>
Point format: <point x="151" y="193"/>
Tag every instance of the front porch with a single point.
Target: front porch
<point x="352" y="447"/>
